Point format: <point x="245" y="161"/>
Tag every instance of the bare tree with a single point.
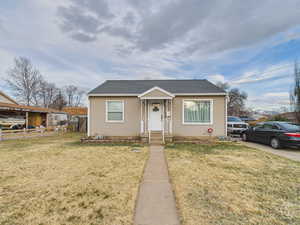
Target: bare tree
<point x="70" y="92"/>
<point x="225" y="86"/>
<point x="48" y="92"/>
<point x="78" y="98"/>
<point x="59" y="101"/>
<point x="24" y="80"/>
<point x="295" y="93"/>
<point x="236" y="102"/>
<point x="73" y="95"/>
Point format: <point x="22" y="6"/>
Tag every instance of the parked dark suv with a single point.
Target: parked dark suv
<point x="277" y="134"/>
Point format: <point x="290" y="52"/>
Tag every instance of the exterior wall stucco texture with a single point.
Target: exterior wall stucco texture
<point x="132" y="118"/>
<point x="132" y="114"/>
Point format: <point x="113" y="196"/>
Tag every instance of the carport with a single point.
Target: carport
<point x="32" y="116"/>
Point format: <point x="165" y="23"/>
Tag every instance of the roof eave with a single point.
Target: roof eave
<point x="136" y="95"/>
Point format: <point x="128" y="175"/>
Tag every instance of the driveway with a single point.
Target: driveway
<point x="293" y="154"/>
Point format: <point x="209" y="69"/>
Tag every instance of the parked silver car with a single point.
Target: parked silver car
<point x="235" y="125"/>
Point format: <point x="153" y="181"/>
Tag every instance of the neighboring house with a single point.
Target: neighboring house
<point x="145" y="108"/>
<point x="12" y="113"/>
<point x="6" y="99"/>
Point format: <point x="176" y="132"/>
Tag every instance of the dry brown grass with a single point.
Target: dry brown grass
<point x="229" y="184"/>
<point x="21" y="135"/>
<point x="57" y="180"/>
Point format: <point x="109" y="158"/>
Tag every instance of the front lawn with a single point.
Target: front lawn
<point x="57" y="180"/>
<point x="229" y="184"/>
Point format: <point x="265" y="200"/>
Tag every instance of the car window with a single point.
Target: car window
<point x="290" y="126"/>
<point x="268" y="126"/>
<point x="234" y="119"/>
<point x="275" y="127"/>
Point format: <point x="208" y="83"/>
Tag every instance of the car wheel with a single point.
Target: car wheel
<point x="244" y="137"/>
<point x="275" y="143"/>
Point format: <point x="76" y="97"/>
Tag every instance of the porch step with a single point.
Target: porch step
<point x="156" y="138"/>
<point x="156" y="132"/>
<point x="156" y="142"/>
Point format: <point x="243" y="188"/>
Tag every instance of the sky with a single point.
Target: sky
<point x="252" y="45"/>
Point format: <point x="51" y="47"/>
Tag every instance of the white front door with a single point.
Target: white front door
<point x="155" y="117"/>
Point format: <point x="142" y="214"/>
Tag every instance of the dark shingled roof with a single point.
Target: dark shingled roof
<point x="172" y="86"/>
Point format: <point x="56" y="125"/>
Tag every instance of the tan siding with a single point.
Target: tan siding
<point x="130" y="126"/>
<point x="180" y="129"/>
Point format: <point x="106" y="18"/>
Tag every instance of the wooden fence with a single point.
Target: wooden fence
<point x="27" y="133"/>
<point x="78" y="125"/>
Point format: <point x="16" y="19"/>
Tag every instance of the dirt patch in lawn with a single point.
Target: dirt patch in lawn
<point x="57" y="180"/>
<point x="229" y="184"/>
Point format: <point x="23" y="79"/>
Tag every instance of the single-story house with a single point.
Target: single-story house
<point x="150" y="108"/>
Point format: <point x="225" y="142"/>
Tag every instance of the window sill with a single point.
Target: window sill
<point x="199" y="124"/>
<point x="114" y="121"/>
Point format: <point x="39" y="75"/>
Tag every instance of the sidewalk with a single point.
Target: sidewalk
<point x="156" y="203"/>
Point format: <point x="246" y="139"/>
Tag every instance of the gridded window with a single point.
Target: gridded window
<point x="197" y="111"/>
<point x="114" y="111"/>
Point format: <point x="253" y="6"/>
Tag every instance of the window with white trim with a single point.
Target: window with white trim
<point x="114" y="111"/>
<point x="197" y="111"/>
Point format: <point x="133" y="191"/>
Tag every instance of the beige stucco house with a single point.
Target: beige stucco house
<point x="157" y="109"/>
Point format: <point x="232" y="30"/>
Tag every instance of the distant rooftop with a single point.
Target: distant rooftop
<point x="75" y="111"/>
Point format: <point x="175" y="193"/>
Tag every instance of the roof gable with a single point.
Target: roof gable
<point x="156" y="92"/>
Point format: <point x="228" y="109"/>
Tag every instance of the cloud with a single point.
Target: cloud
<point x="84" y="42"/>
<point x="82" y="19"/>
<point x="269" y="73"/>
<point x="216" y="78"/>
<point x="277" y="94"/>
<point x="129" y="19"/>
<point x="269" y="101"/>
<point x="202" y="27"/>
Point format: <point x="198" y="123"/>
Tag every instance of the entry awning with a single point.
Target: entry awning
<point x="156" y="93"/>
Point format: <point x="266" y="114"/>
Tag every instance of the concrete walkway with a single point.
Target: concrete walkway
<point x="156" y="203"/>
<point x="293" y="154"/>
